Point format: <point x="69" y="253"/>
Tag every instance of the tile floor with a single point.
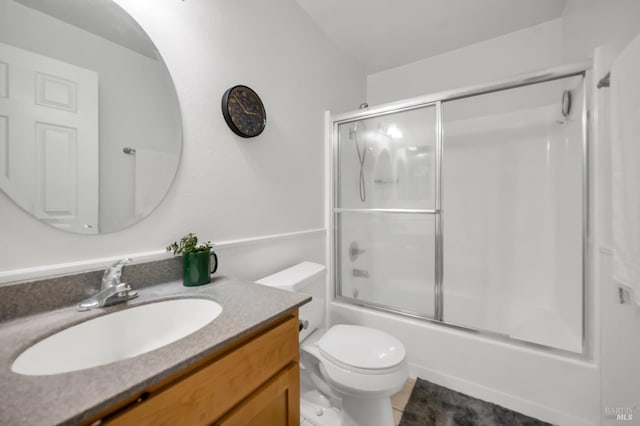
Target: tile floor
<point x="399" y="400"/>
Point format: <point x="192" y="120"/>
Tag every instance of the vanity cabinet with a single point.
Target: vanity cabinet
<point x="254" y="381"/>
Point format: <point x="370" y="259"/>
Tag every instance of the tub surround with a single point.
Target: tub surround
<point x="74" y="397"/>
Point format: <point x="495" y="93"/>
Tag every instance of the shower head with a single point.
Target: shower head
<point x="354" y="130"/>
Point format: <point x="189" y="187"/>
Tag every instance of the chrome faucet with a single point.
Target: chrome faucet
<point x="112" y="291"/>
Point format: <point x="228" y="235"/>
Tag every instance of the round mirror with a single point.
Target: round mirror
<point x="90" y="128"/>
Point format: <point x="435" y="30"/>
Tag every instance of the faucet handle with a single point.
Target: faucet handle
<point x="113" y="273"/>
<point x="125" y="290"/>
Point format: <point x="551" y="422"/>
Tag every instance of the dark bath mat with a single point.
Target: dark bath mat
<point x="433" y="405"/>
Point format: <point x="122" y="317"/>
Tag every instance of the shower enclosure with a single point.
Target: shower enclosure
<point x="469" y="209"/>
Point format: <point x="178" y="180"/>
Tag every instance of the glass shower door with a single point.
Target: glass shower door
<point x="386" y="210"/>
<point x="513" y="212"/>
<point x="469" y="208"/>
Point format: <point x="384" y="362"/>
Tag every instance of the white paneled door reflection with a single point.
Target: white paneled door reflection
<point x="49" y="138"/>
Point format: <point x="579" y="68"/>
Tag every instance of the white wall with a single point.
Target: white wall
<point x="226" y="188"/>
<point x="252" y="260"/>
<point x="620" y="371"/>
<point x="587" y="24"/>
<point x="121" y="72"/>
<point x="511" y="54"/>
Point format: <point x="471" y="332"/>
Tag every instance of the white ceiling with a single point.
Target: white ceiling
<point x="103" y="18"/>
<point x="383" y="34"/>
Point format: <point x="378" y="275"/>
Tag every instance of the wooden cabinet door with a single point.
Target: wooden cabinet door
<point x="217" y="388"/>
<point x="276" y="403"/>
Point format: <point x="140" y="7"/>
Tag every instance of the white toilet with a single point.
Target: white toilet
<point x="348" y="373"/>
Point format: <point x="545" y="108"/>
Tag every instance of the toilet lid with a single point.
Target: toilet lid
<point x="361" y="347"/>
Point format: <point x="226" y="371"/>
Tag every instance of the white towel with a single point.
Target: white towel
<point x="625" y="162"/>
<point x="154" y="171"/>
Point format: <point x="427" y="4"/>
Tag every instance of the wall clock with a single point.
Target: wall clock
<point x="244" y="111"/>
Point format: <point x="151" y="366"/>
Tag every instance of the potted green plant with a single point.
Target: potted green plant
<point x="198" y="260"/>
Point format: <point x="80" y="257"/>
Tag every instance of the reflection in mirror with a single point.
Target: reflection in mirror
<point x="90" y="130"/>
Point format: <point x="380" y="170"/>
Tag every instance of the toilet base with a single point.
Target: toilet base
<point x="312" y="414"/>
<point x="356" y="412"/>
<point x="366" y="411"/>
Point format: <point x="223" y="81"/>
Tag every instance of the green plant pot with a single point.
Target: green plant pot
<point x="197" y="268"/>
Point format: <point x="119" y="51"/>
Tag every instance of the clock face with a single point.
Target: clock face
<point x="243" y="111"/>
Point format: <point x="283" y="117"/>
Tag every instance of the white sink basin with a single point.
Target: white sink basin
<point x="116" y="336"/>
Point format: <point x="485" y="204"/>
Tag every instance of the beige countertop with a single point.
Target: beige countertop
<point x="70" y="398"/>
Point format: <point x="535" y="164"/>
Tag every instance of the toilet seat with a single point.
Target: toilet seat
<point x="362" y="349"/>
<point x="343" y="345"/>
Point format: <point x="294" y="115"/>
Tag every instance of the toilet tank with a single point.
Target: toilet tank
<point x="307" y="278"/>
